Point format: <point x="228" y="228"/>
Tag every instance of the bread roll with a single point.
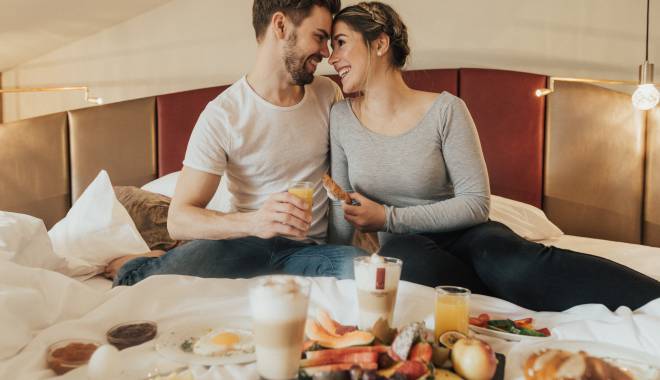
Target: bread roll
<point x="558" y="364"/>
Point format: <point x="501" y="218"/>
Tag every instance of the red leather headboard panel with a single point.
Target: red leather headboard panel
<point x="510" y="121"/>
<point x="434" y="80"/>
<point x="177" y="115"/>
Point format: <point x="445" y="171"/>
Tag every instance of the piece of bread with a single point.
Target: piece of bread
<point x="335" y="189"/>
<point x="559" y="364"/>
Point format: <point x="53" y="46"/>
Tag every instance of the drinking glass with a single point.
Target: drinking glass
<point x="377" y="283"/>
<point x="279" y="311"/>
<point x="452" y="305"/>
<point x="303" y="190"/>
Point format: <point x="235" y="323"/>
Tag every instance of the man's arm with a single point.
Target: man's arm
<point x="282" y="214"/>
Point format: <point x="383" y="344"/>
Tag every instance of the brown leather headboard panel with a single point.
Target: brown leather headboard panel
<point x="594" y="162"/>
<point x="177" y="115"/>
<point x="509" y="118"/>
<point x="652" y="201"/>
<point x="34" y="174"/>
<point x="119" y="137"/>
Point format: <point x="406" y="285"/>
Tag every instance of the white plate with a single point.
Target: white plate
<point x="508" y="336"/>
<point x="642" y="365"/>
<point x="169" y="343"/>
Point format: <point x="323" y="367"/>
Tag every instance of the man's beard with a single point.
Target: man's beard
<point x="295" y="64"/>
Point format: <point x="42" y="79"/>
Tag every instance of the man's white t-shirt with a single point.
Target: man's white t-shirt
<point x="259" y="148"/>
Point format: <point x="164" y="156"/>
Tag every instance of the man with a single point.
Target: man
<point x="268" y="129"/>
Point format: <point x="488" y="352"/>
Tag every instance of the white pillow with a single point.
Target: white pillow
<point x="24" y="240"/>
<point x="96" y="230"/>
<point x="524" y="219"/>
<point x="166" y="184"/>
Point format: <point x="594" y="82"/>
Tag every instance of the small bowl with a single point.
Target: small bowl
<point x="131" y="333"/>
<point x="68" y="354"/>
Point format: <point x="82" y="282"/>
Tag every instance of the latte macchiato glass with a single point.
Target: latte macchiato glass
<point x="279" y="311"/>
<point x="377" y="282"/>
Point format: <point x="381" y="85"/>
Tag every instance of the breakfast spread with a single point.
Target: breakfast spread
<point x="411" y="356"/>
<point x="559" y="364"/>
<point x="286" y="343"/>
<point x="131" y="334"/>
<point x="520" y="326"/>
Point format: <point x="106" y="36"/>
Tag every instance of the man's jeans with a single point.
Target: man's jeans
<point x="244" y="258"/>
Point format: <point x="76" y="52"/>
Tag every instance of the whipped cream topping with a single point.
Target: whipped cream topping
<point x="376" y="259"/>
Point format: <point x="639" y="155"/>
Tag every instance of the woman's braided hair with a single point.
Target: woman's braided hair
<point x="373" y="18"/>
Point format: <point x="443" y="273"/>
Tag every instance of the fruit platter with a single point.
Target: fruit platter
<point x="333" y="351"/>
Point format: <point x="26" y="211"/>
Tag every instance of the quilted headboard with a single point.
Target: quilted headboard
<point x="508" y="117"/>
<point x="552" y="152"/>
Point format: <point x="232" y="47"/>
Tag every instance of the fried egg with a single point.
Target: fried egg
<point x="223" y="341"/>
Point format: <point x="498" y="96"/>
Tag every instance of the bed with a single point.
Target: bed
<point x="537" y="153"/>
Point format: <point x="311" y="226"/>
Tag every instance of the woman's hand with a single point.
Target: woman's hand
<point x="368" y="217"/>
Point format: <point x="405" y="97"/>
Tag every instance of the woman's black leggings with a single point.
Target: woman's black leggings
<point x="491" y="259"/>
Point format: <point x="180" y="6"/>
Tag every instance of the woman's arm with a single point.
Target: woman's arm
<point x="467" y="172"/>
<point x="339" y="230"/>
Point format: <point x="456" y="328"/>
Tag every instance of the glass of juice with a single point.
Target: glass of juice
<point x="303" y="190"/>
<point x="452" y="306"/>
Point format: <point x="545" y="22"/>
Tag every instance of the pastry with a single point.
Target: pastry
<point x="559" y="364"/>
<point x="336" y="190"/>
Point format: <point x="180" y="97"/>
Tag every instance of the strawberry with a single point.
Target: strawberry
<point x="421" y="352"/>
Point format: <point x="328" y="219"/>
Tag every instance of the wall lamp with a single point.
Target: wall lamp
<point x="551" y="83"/>
<point x="643" y="105"/>
<point x="90" y="99"/>
<point x="645" y="97"/>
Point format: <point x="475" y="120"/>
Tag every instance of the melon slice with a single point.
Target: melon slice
<point x="315" y="331"/>
<point x="330" y="325"/>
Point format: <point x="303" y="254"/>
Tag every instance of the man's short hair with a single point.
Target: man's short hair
<point x="296" y="10"/>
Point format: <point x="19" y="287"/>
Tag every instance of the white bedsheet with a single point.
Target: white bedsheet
<point x="41" y="307"/>
<point x="642" y="258"/>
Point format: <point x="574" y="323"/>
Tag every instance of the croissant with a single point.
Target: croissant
<point x="335" y="189"/>
<point x="564" y="365"/>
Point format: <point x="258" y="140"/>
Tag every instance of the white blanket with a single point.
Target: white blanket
<point x="40" y="307"/>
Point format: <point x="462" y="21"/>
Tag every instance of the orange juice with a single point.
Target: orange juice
<point x="452" y="305"/>
<point x="304" y="191"/>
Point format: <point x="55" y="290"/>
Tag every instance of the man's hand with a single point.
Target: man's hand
<point x="368" y="217"/>
<point x="282" y="214"/>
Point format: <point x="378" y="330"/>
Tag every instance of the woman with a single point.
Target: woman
<point x="415" y="163"/>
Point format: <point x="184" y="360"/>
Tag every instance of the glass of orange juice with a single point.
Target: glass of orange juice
<point x="303" y="190"/>
<point x="452" y="305"/>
